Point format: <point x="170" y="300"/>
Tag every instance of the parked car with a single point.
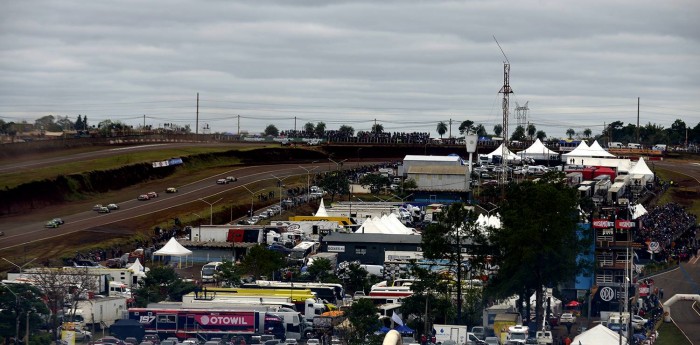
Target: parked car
<point x="152" y="194"/>
<point x="222" y="181"/>
<point x="567" y="317"/>
<point x="231" y="179"/>
<point x="171" y="190"/>
<point x="638" y="322"/>
<point x="113" y="206"/>
<point x="313" y="342"/>
<point x="491" y="341"/>
<point x="153" y="338"/>
<point x="143" y="197"/>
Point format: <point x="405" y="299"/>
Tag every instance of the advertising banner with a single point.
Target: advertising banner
<point x="233" y="319"/>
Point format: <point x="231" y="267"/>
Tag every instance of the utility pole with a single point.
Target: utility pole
<point x="196" y="128"/>
<point x="450" y="128"/>
<point x="637" y="119"/>
<point x="239" y="125"/>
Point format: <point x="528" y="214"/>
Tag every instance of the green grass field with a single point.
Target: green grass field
<point x="689" y="197"/>
<point x="669" y="334"/>
<point x="17" y="178"/>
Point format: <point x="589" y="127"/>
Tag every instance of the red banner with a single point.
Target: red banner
<point x="624" y="224"/>
<point x="643" y="290"/>
<point x="602" y="223"/>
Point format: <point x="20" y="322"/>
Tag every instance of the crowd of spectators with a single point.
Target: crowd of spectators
<point x="673" y="228"/>
<point x="362" y="136"/>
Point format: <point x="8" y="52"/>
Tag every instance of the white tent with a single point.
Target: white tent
<point x="510" y="156"/>
<point x="599" y="335"/>
<point x="538" y="151"/>
<point x="138" y="269"/>
<point x="321" y="210"/>
<point x="599" y="151"/>
<point x="638" y="210"/>
<point x="174" y="248"/>
<point x="641" y="168"/>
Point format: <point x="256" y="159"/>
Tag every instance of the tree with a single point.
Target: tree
<point x="375" y="182"/>
<point x="260" y="261"/>
<point x="446" y="240"/>
<point x="480" y="130"/>
<point x="47" y="123"/>
<point x="355" y="278"/>
<point x="570" y="132"/>
<point x="408" y="185"/>
<point x="271" y="130"/>
<point x="64" y="123"/>
<point x="676" y="133"/>
<point x="16" y="300"/>
<point x="541" y="135"/>
<point x="531" y="130"/>
<point x="466" y="127"/>
<point x="363" y="317"/>
<point x="587" y="132"/>
<point x="161" y="283"/>
<point x="309" y="128"/>
<point x="498" y="129"/>
<point x="518" y="134"/>
<point x="335" y="183"/>
<point x="320" y="129"/>
<point x="229" y="274"/>
<point x="346" y="131"/>
<point x="321" y="270"/>
<point x="539" y="235"/>
<point x="377" y="128"/>
<point x="79" y="123"/>
<point x="441" y="128"/>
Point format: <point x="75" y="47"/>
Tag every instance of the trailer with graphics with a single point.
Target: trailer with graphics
<point x="206" y="324"/>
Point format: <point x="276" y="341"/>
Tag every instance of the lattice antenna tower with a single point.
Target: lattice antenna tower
<point x="521" y="114"/>
<point x="506" y="91"/>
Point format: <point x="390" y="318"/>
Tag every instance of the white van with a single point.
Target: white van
<point x="634" y="146"/>
<point x="615" y="145"/>
<point x="536" y="170"/>
<point x="209" y="270"/>
<point x="375" y="270"/>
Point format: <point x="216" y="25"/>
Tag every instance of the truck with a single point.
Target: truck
<point x="326" y="321"/>
<point x="544" y="338"/>
<point x="517" y="334"/>
<point x="209" y="270"/>
<point x="97" y="313"/>
<point x="456" y="333"/>
<point x="192" y="323"/>
<point x="502" y="322"/>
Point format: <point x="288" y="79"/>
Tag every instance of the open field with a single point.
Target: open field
<point x="686" y="191"/>
<point x="669" y="334"/>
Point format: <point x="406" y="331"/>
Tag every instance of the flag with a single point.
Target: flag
<point x="397" y="318"/>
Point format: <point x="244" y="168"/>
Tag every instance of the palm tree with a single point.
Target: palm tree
<point x="541" y="135"/>
<point x="587" y="132"/>
<point x="480" y="130"/>
<point x="441" y="128"/>
<point x="498" y="130"/>
<point x="377" y="128"/>
<point x="570" y="132"/>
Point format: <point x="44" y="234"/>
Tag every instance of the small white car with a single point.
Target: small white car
<point x="567" y="317"/>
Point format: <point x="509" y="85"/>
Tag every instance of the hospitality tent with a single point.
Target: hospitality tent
<point x="538" y="151"/>
<point x="138" y="269"/>
<point x="641" y="168"/>
<point x="510" y="156"/>
<point x="174" y="248"/>
<point x="599" y="335"/>
<point x="638" y="210"/>
<point x="321" y="210"/>
<point x="599" y="151"/>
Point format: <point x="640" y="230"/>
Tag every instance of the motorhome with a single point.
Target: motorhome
<point x="300" y="253"/>
<point x="209" y="271"/>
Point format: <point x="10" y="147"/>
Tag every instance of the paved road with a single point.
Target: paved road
<point x="33" y="231"/>
<point x="685" y="279"/>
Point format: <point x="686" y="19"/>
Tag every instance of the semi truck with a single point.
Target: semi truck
<point x="97" y="313"/>
<point x="191" y="323"/>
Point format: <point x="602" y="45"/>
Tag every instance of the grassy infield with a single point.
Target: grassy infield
<point x="669" y="333"/>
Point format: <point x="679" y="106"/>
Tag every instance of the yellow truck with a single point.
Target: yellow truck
<point x="501" y="323"/>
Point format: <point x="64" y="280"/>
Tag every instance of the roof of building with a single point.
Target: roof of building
<point x="338" y="237"/>
<point x="439" y="169"/>
<point x="432" y="158"/>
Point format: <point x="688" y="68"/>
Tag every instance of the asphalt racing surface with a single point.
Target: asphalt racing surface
<point x="686" y="278"/>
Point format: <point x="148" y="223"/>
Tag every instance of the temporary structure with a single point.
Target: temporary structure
<point x="174" y="248"/>
<point x="510" y="156"/>
<point x="599" y="335"/>
<point x="538" y="151"/>
<point x="583" y="150"/>
<point x="321" y="210"/>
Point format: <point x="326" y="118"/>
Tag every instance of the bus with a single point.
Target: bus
<point x="300" y="253"/>
<point x="191" y="323"/>
<point x="331" y="293"/>
<point x="209" y="270"/>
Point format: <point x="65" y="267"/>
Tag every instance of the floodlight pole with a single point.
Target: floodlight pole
<point x="18" y="266"/>
<point x="279" y="184"/>
<point x="17" y="304"/>
<point x="337" y="164"/>
<point x="308" y="184"/>
<point x="252" y="195"/>
<point x="211" y="209"/>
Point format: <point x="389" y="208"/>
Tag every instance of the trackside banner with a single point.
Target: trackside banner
<point x="226" y="320"/>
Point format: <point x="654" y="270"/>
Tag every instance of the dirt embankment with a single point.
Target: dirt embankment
<point x="37" y="194"/>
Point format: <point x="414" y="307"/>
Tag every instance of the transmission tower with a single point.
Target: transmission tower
<point x="521" y="114"/>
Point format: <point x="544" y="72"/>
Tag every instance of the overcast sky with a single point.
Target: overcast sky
<point x="407" y="64"/>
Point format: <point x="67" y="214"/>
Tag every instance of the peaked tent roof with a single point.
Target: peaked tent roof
<point x="582" y="150"/>
<point x="173" y="248"/>
<point x="499" y="152"/>
<point x="599" y="151"/>
<point x="638" y="210"/>
<point x="641" y="168"/>
<point x="537" y="148"/>
<point x="599" y="335"/>
<point x="321" y="210"/>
